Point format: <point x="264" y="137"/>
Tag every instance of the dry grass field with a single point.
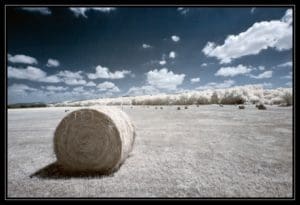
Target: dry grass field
<point x="205" y="151"/>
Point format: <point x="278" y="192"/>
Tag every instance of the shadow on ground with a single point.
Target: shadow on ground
<point x="56" y="171"/>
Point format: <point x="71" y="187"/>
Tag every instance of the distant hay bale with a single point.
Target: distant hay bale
<point x="186" y="107"/>
<point x="178" y="108"/>
<point x="161" y="108"/>
<point x="241" y="107"/>
<point x="220" y="105"/>
<point x="261" y="106"/>
<point x="96" y="139"/>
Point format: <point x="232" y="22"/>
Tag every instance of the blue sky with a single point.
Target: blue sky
<point x="72" y="53"/>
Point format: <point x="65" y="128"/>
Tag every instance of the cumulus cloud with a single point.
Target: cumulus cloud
<point x="164" y="79"/>
<point x="261" y="68"/>
<point x="233" y="71"/>
<point x="260" y="36"/>
<point x="195" y="80"/>
<point x="204" y="64"/>
<point x="143" y="90"/>
<point x="103" y="72"/>
<point x="81" y="11"/>
<point x="41" y="10"/>
<point x="20" y="88"/>
<point x="52" y="63"/>
<point x="182" y="10"/>
<point x="172" y="54"/>
<point x="20" y="58"/>
<point x="146" y="46"/>
<point x="266" y="74"/>
<point x="175" y="38"/>
<point x="72" y="78"/>
<point x="31" y="73"/>
<point x="108" y="86"/>
<point x="162" y="62"/>
<point x="54" y="88"/>
<point x="90" y="84"/>
<point x="78" y="89"/>
<point x="286" y="64"/>
<point x="214" y="85"/>
<point x="289" y="76"/>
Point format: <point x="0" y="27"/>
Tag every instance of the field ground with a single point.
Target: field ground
<point x="205" y="151"/>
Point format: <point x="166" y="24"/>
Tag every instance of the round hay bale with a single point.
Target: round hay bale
<point x="186" y="107"/>
<point x="161" y="108"/>
<point x="96" y="139"/>
<point x="178" y="108"/>
<point x="241" y="107"/>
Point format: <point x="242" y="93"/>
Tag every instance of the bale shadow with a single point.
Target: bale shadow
<point x="57" y="171"/>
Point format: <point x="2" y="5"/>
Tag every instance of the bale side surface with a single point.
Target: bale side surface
<point x="94" y="139"/>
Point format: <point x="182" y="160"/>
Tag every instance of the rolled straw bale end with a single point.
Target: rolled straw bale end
<point x="94" y="139"/>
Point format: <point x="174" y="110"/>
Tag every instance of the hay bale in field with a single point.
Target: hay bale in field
<point x="161" y="108"/>
<point x="178" y="108"/>
<point x="241" y="107"/>
<point x="220" y="105"/>
<point x="186" y="107"/>
<point x="96" y="139"/>
<point x="261" y="106"/>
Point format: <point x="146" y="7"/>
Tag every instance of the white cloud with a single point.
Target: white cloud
<point x="172" y="54"/>
<point x="20" y="88"/>
<point x="286" y="64"/>
<point x="266" y="74"/>
<point x="182" y="10"/>
<point x="144" y="90"/>
<point x="70" y="74"/>
<point x="162" y="62"/>
<point x="41" y="10"/>
<point x="55" y="88"/>
<point x="164" y="79"/>
<point x="108" y="86"/>
<point x="233" y="71"/>
<point x="91" y="84"/>
<point x="146" y="46"/>
<point x="81" y="11"/>
<point x="52" y="63"/>
<point x="175" y="38"/>
<point x="78" y="89"/>
<point x="31" y="73"/>
<point x="289" y="76"/>
<point x="204" y="64"/>
<point x="103" y="72"/>
<point x="73" y="81"/>
<point x="195" y="80"/>
<point x="261" y="68"/>
<point x="260" y="36"/>
<point x="20" y="58"/>
<point x="72" y="78"/>
<point x="214" y="85"/>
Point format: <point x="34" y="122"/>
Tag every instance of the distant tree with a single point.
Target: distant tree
<point x="214" y="98"/>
